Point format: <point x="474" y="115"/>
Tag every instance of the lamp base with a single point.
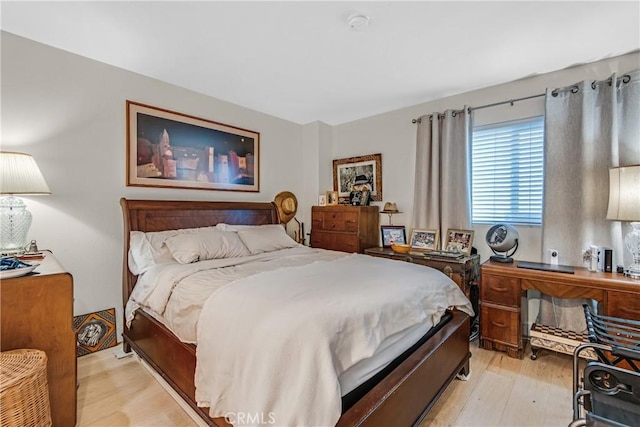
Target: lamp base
<point x="15" y="221"/>
<point x="632" y="241"/>
<point x="632" y="274"/>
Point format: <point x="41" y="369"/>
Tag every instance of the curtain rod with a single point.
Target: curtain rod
<point x="470" y="109"/>
<point x="574" y="88"/>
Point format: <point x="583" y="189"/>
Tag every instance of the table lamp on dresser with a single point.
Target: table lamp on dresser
<point x="624" y="205"/>
<point x="19" y="174"/>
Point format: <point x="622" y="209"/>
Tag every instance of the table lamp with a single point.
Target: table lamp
<point x="19" y="174"/>
<point x="624" y="205"/>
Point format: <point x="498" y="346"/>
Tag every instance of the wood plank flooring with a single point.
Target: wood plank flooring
<point x="502" y="391"/>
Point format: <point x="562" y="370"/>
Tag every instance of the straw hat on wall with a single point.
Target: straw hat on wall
<point x="287" y="206"/>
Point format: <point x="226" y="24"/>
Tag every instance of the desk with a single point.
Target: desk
<point x="502" y="287"/>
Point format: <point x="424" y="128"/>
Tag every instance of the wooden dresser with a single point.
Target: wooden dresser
<point x="345" y="228"/>
<point x="502" y="287"/>
<point x="37" y="312"/>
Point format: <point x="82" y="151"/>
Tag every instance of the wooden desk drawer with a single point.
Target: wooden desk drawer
<point x="500" y="325"/>
<point x="623" y="305"/>
<point x="500" y="289"/>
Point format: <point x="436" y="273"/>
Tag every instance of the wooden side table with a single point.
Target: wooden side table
<point x="464" y="271"/>
<point x="37" y="312"/>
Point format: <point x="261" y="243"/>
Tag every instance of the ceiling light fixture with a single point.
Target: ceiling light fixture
<point x="358" y="22"/>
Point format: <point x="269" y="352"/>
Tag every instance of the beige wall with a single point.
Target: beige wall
<point x="393" y="135"/>
<point x="69" y="113"/>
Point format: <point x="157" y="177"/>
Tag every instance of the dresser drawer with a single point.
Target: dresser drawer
<point x="500" y="290"/>
<point x="500" y="325"/>
<point x="340" y="221"/>
<point x="334" y="241"/>
<point x="623" y="305"/>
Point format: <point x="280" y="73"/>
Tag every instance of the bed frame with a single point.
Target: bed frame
<point x="402" y="398"/>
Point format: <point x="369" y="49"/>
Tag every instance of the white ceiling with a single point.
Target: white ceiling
<point x="300" y="61"/>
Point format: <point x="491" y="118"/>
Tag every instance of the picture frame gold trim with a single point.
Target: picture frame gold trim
<point x="458" y="241"/>
<point x="345" y="171"/>
<point x="95" y="331"/>
<point x="423" y="240"/>
<point x="332" y="198"/>
<point x="175" y="150"/>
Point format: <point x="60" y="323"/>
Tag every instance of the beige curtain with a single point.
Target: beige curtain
<point x="589" y="127"/>
<point x="442" y="196"/>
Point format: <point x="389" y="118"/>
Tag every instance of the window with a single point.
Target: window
<point x="507" y="164"/>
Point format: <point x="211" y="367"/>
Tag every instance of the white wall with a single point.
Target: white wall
<point x="69" y="113"/>
<point x="393" y="135"/>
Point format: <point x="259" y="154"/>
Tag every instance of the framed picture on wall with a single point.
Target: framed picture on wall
<point x="458" y="241"/>
<point x="424" y="239"/>
<point x="392" y="234"/>
<point x="358" y="171"/>
<point x="170" y="149"/>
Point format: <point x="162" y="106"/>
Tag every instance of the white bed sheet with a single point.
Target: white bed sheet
<point x="178" y="301"/>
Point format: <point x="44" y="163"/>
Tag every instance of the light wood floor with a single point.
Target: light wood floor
<point x="502" y="391"/>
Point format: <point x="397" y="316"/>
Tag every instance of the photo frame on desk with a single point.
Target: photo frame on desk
<point x="332" y="198"/>
<point x="458" y="241"/>
<point x="424" y="239"/>
<point x="392" y="234"/>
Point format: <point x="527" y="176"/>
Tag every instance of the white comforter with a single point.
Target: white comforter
<point x="272" y="345"/>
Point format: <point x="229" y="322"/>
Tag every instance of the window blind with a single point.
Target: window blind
<point x="507" y="172"/>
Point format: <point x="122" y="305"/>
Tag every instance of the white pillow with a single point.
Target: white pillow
<point x="147" y="250"/>
<point x="233" y="227"/>
<point x="266" y="238"/>
<point x="209" y="244"/>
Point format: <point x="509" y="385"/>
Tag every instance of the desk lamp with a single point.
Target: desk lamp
<point x="19" y="174"/>
<point x="624" y="205"/>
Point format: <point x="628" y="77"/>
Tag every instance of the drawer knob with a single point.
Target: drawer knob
<point x="499" y="325"/>
<point x="498" y="288"/>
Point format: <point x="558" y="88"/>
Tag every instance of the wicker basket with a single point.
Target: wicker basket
<point x="24" y="393"/>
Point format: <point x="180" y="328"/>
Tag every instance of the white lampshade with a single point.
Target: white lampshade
<point x="19" y="174"/>
<point x="624" y="205"/>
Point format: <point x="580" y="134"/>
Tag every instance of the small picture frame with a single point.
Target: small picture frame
<point x="424" y="239"/>
<point x="332" y="198"/>
<point x="392" y="234"/>
<point x="459" y="241"/>
<point x="322" y="200"/>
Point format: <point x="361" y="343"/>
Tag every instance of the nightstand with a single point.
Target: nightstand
<point x="37" y="312"/>
<point x="463" y="271"/>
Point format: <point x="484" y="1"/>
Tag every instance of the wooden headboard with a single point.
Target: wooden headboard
<point x="160" y="215"/>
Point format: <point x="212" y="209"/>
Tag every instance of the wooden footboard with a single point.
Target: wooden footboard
<point x="405" y="396"/>
<point x="402" y="398"/>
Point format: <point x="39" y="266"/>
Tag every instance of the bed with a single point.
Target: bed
<point x="400" y="394"/>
